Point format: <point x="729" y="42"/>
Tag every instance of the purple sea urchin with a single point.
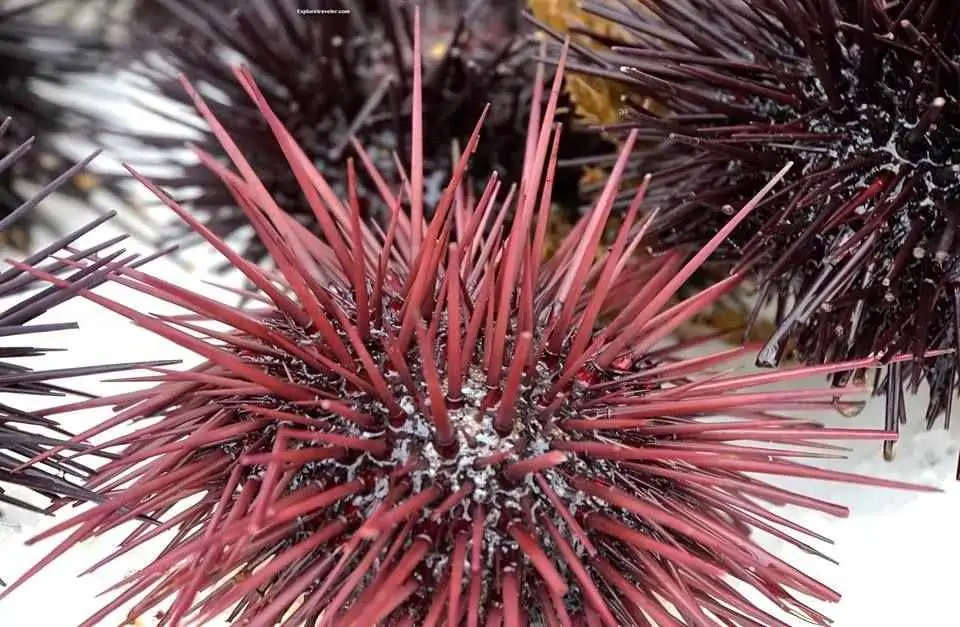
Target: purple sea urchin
<point x="26" y="434"/>
<point x="429" y="423"/>
<point x="34" y="49"/>
<point x="356" y="85"/>
<point x="860" y="250"/>
<point x="155" y="15"/>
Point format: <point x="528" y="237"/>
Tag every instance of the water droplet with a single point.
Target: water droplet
<point x="849" y="409"/>
<point x="919" y="252"/>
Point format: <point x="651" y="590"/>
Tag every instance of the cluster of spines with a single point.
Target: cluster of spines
<point x="477" y="54"/>
<point x="24" y="434"/>
<point x="858" y="251"/>
<point x="335" y="438"/>
<point x="361" y="56"/>
<point x="36" y="48"/>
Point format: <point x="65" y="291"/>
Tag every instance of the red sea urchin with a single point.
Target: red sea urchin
<point x="430" y="424"/>
<point x="860" y="249"/>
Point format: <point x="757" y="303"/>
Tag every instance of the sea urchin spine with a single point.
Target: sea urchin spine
<point x="431" y="425"/>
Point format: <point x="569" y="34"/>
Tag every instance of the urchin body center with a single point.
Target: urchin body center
<point x="903" y="125"/>
<point x="475" y="475"/>
<point x="480" y="450"/>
